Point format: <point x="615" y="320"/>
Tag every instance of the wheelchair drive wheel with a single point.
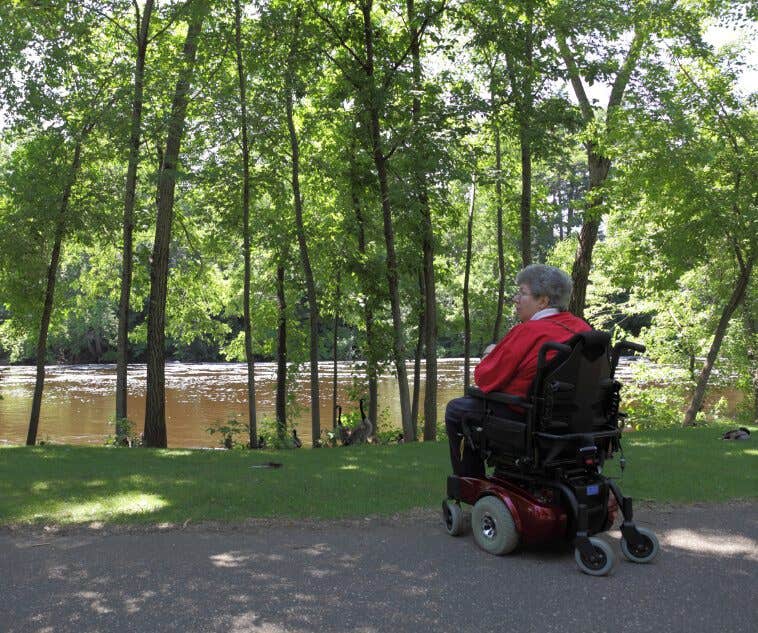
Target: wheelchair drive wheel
<point x="456" y="520"/>
<point x="644" y="552"/>
<point x="493" y="526"/>
<point x="600" y="563"/>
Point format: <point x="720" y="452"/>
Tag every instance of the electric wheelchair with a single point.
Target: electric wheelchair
<point x="548" y="457"/>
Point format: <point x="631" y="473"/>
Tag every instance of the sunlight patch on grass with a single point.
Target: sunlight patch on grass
<point x="127" y="503"/>
<point x="349" y="467"/>
<point x="40" y="486"/>
<point x="751" y="451"/>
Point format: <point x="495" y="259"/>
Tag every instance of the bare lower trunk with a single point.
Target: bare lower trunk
<point x="155" y="404"/>
<point x="417" y="356"/>
<point x="122" y="346"/>
<point x="751" y="329"/>
<point x="281" y="356"/>
<point x="47" y="310"/>
<point x="249" y="358"/>
<point x="368" y="312"/>
<point x="334" y="353"/>
<point x="466" y="314"/>
<point x="737" y="296"/>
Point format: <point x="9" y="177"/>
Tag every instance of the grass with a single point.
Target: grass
<point x="73" y="484"/>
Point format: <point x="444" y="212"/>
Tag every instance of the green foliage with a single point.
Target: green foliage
<point x="124" y="435"/>
<point x="233" y="433"/>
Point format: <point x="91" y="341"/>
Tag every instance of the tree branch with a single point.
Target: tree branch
<point x="576" y="80"/>
<point x="625" y="72"/>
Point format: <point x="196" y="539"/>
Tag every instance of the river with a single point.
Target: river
<point x="79" y="400"/>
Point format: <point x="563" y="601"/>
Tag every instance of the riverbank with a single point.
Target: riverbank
<point x="76" y="485"/>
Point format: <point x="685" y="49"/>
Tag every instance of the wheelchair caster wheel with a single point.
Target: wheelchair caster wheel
<point x="643" y="553"/>
<point x="456" y="520"/>
<point x="600" y="562"/>
<point x="493" y="526"/>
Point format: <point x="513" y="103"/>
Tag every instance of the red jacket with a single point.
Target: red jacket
<point x="510" y="367"/>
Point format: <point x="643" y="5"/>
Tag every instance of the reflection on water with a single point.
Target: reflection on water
<point x="80" y="399"/>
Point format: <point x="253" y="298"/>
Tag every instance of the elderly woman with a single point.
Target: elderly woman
<point x="541" y="306"/>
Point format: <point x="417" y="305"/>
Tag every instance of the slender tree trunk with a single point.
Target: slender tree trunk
<point x="122" y="353"/>
<point x="526" y="193"/>
<point x="500" y="245"/>
<point x="751" y="329"/>
<point x="155" y="406"/>
<point x="372" y="372"/>
<point x="47" y="310"/>
<point x="417" y="355"/>
<point x="427" y="240"/>
<point x="249" y="358"/>
<point x="393" y="280"/>
<point x="466" y="314"/>
<point x="737" y="296"/>
<point x="308" y="272"/>
<point x="281" y="356"/>
<point x="524" y="112"/>
<point x="334" y="351"/>
<point x="310" y="284"/>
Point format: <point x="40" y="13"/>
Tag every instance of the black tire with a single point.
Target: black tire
<point x="455" y="519"/>
<point x="603" y="561"/>
<point x="494" y="529"/>
<point x="645" y="553"/>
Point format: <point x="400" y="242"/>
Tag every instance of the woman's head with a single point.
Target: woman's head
<point x="541" y="287"/>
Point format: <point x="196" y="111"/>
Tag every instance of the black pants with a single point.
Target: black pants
<point x="465" y="462"/>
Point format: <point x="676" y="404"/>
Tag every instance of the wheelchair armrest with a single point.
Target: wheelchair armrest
<point x="498" y="396"/>
<point x="624" y="345"/>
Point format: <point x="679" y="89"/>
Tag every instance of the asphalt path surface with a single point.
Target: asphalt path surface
<point x="400" y="574"/>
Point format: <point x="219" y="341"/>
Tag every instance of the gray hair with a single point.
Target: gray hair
<point x="547" y="281"/>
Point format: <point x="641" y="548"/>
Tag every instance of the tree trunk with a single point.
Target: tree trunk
<point x="249" y="358"/>
<point x="751" y="329"/>
<point x="738" y="294"/>
<point x="466" y="314"/>
<point x="393" y="281"/>
<point x="155" y="405"/>
<point x="310" y="284"/>
<point x="500" y="245"/>
<point x="281" y="356"/>
<point x="47" y="310"/>
<point x="598" y="165"/>
<point x="580" y="273"/>
<point x="122" y="353"/>
<point x="417" y="355"/>
<point x="526" y="194"/>
<point x="372" y="372"/>
<point x="524" y="111"/>
<point x="427" y="240"/>
<point x="334" y="351"/>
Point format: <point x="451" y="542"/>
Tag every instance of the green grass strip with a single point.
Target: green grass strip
<point x="75" y="484"/>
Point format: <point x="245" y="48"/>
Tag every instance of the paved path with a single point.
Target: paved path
<point x="377" y="575"/>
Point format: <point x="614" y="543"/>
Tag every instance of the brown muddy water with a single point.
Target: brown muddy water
<point x="79" y="400"/>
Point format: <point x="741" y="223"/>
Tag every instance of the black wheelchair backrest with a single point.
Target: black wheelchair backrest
<point x="575" y="390"/>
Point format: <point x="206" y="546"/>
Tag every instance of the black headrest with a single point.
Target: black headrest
<point x="593" y="344"/>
